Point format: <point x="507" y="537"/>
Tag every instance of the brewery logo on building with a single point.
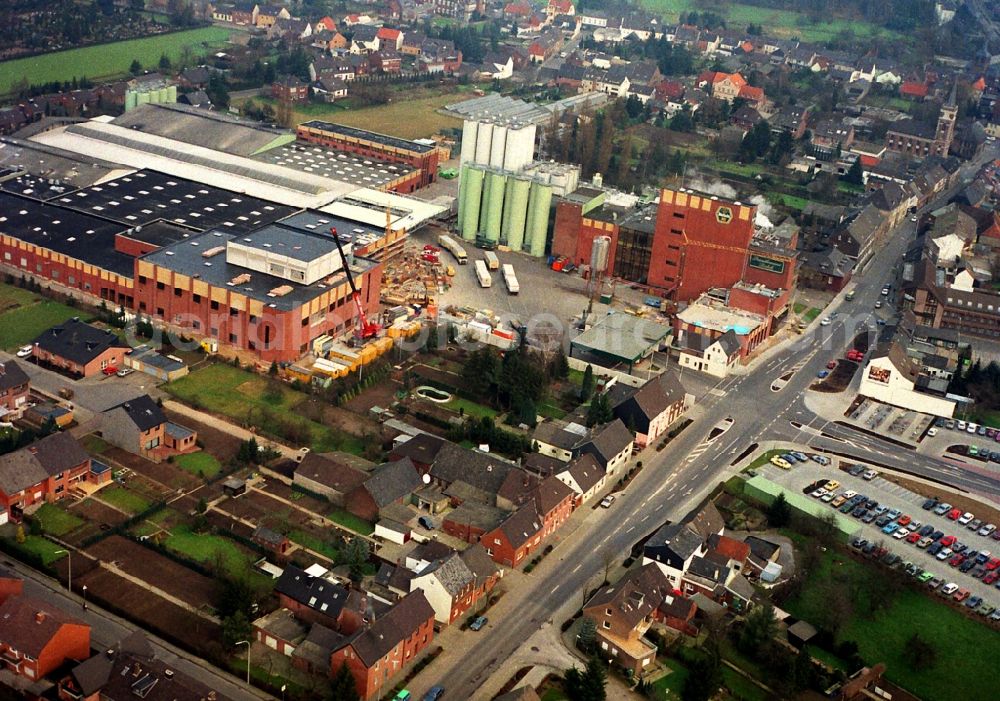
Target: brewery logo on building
<point x="724" y="215"/>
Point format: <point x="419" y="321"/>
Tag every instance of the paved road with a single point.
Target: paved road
<point x="106" y="629"/>
<point x="674" y="480"/>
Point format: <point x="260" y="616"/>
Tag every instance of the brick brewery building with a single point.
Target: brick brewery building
<point x="684" y="245"/>
<point x="422" y="154"/>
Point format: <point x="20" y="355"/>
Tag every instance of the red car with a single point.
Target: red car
<point x="855" y="355"/>
<point x="947" y="541"/>
<point x="955" y="514"/>
<point x="831" y="365"/>
<point x="991" y="577"/>
<point x="961" y="595"/>
<point x="956" y="560"/>
<point x="904" y="520"/>
<point x="913" y="537"/>
<point x="110" y="370"/>
<point x="993" y="564"/>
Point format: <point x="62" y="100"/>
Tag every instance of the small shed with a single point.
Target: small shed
<point x="392" y="531"/>
<point x="800" y="633"/>
<point x="234" y="487"/>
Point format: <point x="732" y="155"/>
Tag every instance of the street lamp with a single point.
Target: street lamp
<point x="247" y="643"/>
<point x="69" y="560"/>
<point x="283" y="687"/>
<point x="84" y="597"/>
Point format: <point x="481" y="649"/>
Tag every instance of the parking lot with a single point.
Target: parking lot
<point x="908" y="503"/>
<point x="900" y="424"/>
<point x="945" y="439"/>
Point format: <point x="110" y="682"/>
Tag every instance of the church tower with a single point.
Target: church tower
<point x="946" y="124"/>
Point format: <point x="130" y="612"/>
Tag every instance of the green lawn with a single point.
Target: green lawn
<point x="962" y="669"/>
<point x="109" y="60"/>
<point x="37" y="545"/>
<point x="310" y="541"/>
<point x="123" y="499"/>
<point x="199" y="464"/>
<point x="470" y="408"/>
<point x="552" y="694"/>
<point x="792" y="201"/>
<point x="351" y="522"/>
<point x="204" y="548"/>
<point x="55" y="521"/>
<point x="94" y="444"/>
<point x="248" y="399"/>
<point x="669" y="688"/>
<point x="764" y="458"/>
<point x="741" y="687"/>
<point x="550" y="411"/>
<point x="25" y="315"/>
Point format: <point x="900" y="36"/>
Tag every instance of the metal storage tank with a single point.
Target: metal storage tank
<point x="599" y="253"/>
<point x="171" y="93"/>
<point x="517" y="205"/>
<point x="142" y="98"/>
<point x="497" y="146"/>
<point x="540" y="221"/>
<point x="131" y="100"/>
<point x="484" y="139"/>
<point x="530" y="217"/>
<point x="508" y="199"/>
<point x="470" y="210"/>
<point x="161" y="95"/>
<point x="469" y="129"/>
<point x="494" y="210"/>
<point x="520" y="147"/>
<point x="462" y="180"/>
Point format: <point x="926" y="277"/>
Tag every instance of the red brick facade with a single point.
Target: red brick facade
<point x="68" y="639"/>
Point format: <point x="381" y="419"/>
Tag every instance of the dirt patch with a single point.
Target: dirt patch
<point x="176" y="624"/>
<point x="98" y="518"/>
<point x="219" y="443"/>
<point x="280" y="489"/>
<point x="356" y="424"/>
<point x="145" y="479"/>
<point x="988" y="514"/>
<point x="838" y="379"/>
<point x="159" y="571"/>
<point x="383" y="395"/>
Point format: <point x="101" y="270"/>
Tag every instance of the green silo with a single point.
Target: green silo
<point x="539" y="223"/>
<point x="131" y="100"/>
<point x="473" y="196"/>
<point x="171" y="93"/>
<point x="494" y="208"/>
<point x="517" y="207"/>
<point x="508" y="198"/>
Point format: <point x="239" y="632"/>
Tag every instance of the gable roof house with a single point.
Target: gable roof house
<point x="140" y="427"/>
<point x="14" y="386"/>
<point x="675" y="545"/>
<point x="647" y="411"/>
<point x="610" y="444"/>
<point x="857" y="237"/>
<point x="584" y="475"/>
<point x="454" y="584"/>
<point x="321" y="600"/>
<point x="329" y="477"/>
<point x="377" y="655"/>
<point x="44" y="471"/>
<point x="36" y="637"/>
<point x="79" y="349"/>
<point x="624" y="612"/>
<point x="391" y="483"/>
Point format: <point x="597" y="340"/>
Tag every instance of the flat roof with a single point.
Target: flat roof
<point x="336" y="165"/>
<point x="384" y="139"/>
<point x="54" y="163"/>
<point x="185" y="258"/>
<point x="316" y="222"/>
<point x="368" y="206"/>
<point x="622" y="336"/>
<point x="148" y="195"/>
<point x="74" y="234"/>
<point x="717" y="317"/>
<point x="292" y="243"/>
<point x="33" y="186"/>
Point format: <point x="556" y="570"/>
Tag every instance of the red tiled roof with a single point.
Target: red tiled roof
<point x="913" y="88"/>
<point x="730" y="548"/>
<point x="751" y="93"/>
<point x="387" y="33"/>
<point x="328" y="24"/>
<point x="870" y="161"/>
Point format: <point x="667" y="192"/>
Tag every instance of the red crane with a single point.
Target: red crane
<point x="364" y="329"/>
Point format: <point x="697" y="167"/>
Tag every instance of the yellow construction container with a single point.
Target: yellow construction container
<point x="297" y="372"/>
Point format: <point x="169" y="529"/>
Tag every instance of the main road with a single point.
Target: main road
<point x="674" y="480"/>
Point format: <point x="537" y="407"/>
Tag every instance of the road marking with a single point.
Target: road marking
<point x="577" y="568"/>
<point x="630" y="530"/>
<point x="556" y="587"/>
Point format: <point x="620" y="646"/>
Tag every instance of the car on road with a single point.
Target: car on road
<point x="478" y="623"/>
<point x="607" y="501"/>
<point x="434" y="693"/>
<point x="24" y="351"/>
<point x="885" y="291"/>
<point x="831" y="365"/>
<point x="855" y="355"/>
<point x="825" y="321"/>
<point x="778" y="461"/>
<point x="878" y="304"/>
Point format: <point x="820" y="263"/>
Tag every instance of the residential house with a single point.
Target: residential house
<point x="648" y="411"/>
<point x="545" y="45"/>
<point x="268" y="15"/>
<point x="623" y="612"/>
<point x="793" y="118"/>
<point x="762" y="553"/>
<point x="140" y="427"/>
<point x="281" y="631"/>
<point x="455" y="584"/>
<point x="244" y="14"/>
<point x="290" y="30"/>
<point x="79" y="349"/>
<point x="36" y="637"/>
<point x="391" y="483"/>
<point x="831" y="138"/>
<point x="378" y="655"/>
<point x="14" y="387"/>
<point x="521" y="533"/>
<point x="611" y="444"/>
<point x="321" y="600"/>
<point x="312" y="655"/>
<point x="365" y="39"/>
<point x="41" y="472"/>
<point x="828" y="269"/>
<point x="290" y="89"/>
<point x="675" y="545"/>
<point x="389" y="38"/>
<point x="892" y="377"/>
<point x="584" y="475"/>
<point x="714" y="356"/>
<point x="325" y="25"/>
<point x="330" y="89"/>
<point x="857" y="237"/>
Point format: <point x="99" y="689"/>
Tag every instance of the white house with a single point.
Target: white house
<point x="894" y="378"/>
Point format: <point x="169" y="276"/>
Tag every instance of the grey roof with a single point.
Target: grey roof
<point x="77" y="342"/>
<point x="143" y="412"/>
<point x="319" y="645"/>
<point x="24" y="468"/>
<point x="622" y="336"/>
<point x="608" y="440"/>
<point x="382" y="139"/>
<point x="730" y="342"/>
<point x="681" y="540"/>
<point x="176" y="431"/>
<point x="741" y="587"/>
<point x="561" y="434"/>
<point x="268" y="536"/>
<point x="331" y="473"/>
<point x="282" y="624"/>
<point x="586" y="472"/>
<point x="479" y="563"/>
<point x="392" y="481"/>
<point x="484" y="472"/>
<point x="401" y="622"/>
<point x="648" y="401"/>
<point x="422" y="448"/>
<point x="476" y="514"/>
<point x="11" y="375"/>
<point x="522" y="525"/>
<point x="452" y="573"/>
<point x="913" y="127"/>
<point x="318" y="594"/>
<point x="709" y="568"/>
<point x="762" y="548"/>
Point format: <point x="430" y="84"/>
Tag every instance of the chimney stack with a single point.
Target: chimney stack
<point x="40" y="617"/>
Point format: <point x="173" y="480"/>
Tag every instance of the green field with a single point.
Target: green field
<point x="963" y="670"/>
<point x="351" y="522"/>
<point x="39" y="546"/>
<point x="24" y="315"/>
<point x="109" y="60"/>
<point x="669" y="688"/>
<point x="123" y="499"/>
<point x="779" y="23"/>
<point x="248" y="399"/>
<point x="205" y="548"/>
<point x="470" y="408"/>
<point x="307" y="540"/>
<point x="199" y="464"/>
<point x="55" y="521"/>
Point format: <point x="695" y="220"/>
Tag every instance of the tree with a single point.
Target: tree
<point x="218" y="91"/>
<point x="560" y="366"/>
<point x="135" y="68"/>
<point x="19" y="536"/>
<point x="856" y="174"/>
<point x="600" y="411"/>
<point x="481" y="370"/>
<point x="202" y="506"/>
<point x="587" y="387"/>
<point x="235" y="628"/>
<point x="703" y="679"/>
<point x="273" y="370"/>
<point x="164" y="62"/>
<point x="587" y="685"/>
<point x="779" y="513"/>
<point x="920" y="654"/>
<point x="342" y="686"/>
<point x="588" y="635"/>
<point x="355" y="554"/>
<point x="249" y="451"/>
<point x="758" y="629"/>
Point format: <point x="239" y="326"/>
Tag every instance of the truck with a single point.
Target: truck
<point x="491" y="260"/>
<point x="483" y="275"/>
<point x="510" y="279"/>
<point x="850" y="292"/>
<point x="449" y="244"/>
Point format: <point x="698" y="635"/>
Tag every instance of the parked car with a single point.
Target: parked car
<point x="904" y="520"/>
<point x="434" y="693"/>
<point x="607" y="501"/>
<point x="831" y="486"/>
<point x="944" y="554"/>
<point x="924" y="542"/>
<point x="869" y="475"/>
<point x="24" y="351"/>
<point x="974" y="602"/>
<point x="929" y="504"/>
<point x="954" y="514"/>
<point x="974" y="525"/>
<point x="838" y="501"/>
<point x="125" y="372"/>
<point x="890" y="528"/>
<point x="900" y="533"/>
<point x="110" y="370"/>
<point x="781" y="462"/>
<point x="831" y="365"/>
<point x="934" y="549"/>
<point x="949" y="589"/>
<point x="942" y="508"/>
<point x="478" y="623"/>
<point x="913" y="538"/>
<point x="931" y="432"/>
<point x="821" y="459"/>
<point x="961" y="595"/>
<point x="855" y="470"/>
<point x="948" y="540"/>
<point x="966" y="518"/>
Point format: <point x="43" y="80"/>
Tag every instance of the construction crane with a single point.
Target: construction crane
<point x="364" y="329"/>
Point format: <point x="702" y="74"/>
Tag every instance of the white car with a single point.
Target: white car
<point x="826" y="321"/>
<point x="965" y="518"/>
<point x="828" y="497"/>
<point x="949" y="588"/>
<point x="885" y="291"/>
<point x="125" y="372"/>
<point x="607" y="501"/>
<point x="913" y="218"/>
<point x="961" y="425"/>
<point x="849" y="494"/>
<point x="878" y="304"/>
<point x="972" y="428"/>
<point x="869" y="475"/>
<point x="931" y="432"/>
<point x="818" y="493"/>
<point x="987" y="529"/>
<point x="901" y="533"/>
<point x="24" y="351"/>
